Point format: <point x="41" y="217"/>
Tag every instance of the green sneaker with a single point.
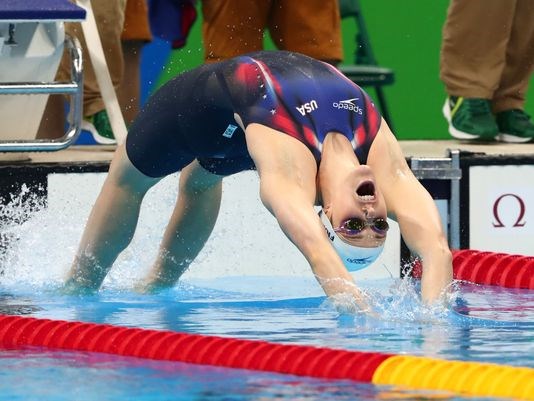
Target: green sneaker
<point x="515" y="126"/>
<point x="99" y="126"/>
<point x="470" y="118"/>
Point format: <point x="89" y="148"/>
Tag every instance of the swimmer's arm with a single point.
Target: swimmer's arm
<point x="422" y="232"/>
<point x="299" y="221"/>
<point x="288" y="190"/>
<point x="416" y="212"/>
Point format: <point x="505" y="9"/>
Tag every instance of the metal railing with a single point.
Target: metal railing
<point x="74" y="89"/>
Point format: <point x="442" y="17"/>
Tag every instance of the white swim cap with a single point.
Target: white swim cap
<point x="354" y="257"/>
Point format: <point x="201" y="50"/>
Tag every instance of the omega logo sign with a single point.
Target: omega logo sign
<point x="519" y="222"/>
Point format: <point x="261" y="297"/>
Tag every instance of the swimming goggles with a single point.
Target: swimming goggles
<point x="355" y="225"/>
<point x="354" y="257"/>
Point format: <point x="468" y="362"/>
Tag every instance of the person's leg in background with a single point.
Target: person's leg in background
<point x="52" y="124"/>
<point x="233" y="27"/>
<point x="473" y="56"/>
<point x="509" y="99"/>
<point x="109" y="16"/>
<point x="135" y="35"/>
<point x="312" y="28"/>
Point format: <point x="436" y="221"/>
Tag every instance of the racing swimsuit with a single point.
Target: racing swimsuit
<point x="201" y="114"/>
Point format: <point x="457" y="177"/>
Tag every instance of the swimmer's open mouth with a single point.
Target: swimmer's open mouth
<point x="366" y="191"/>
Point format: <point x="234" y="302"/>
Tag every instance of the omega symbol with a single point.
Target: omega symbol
<point x="518" y="222"/>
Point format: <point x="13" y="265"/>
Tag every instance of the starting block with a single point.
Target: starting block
<point x="32" y="41"/>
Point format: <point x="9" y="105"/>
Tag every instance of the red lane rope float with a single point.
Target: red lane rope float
<point x="17" y="331"/>
<point x="472" y="378"/>
<point x="490" y="268"/>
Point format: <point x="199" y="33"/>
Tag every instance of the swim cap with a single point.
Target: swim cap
<point x="354" y="257"/>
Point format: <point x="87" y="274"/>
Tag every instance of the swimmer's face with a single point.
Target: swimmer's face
<point x="359" y="212"/>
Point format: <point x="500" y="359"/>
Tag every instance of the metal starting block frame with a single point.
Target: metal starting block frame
<point x="13" y="14"/>
<point x="445" y="168"/>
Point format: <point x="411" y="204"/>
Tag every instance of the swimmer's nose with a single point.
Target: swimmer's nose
<point x="369" y="212"/>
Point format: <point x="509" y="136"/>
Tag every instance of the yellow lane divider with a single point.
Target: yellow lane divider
<point x="473" y="378"/>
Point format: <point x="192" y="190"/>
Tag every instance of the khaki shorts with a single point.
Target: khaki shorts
<point x="136" y="25"/>
<point x="234" y="27"/>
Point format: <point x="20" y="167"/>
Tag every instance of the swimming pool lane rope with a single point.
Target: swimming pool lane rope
<point x="490" y="268"/>
<point x="470" y="378"/>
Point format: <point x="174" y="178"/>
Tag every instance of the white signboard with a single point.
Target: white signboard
<point x="501" y="209"/>
<point x="245" y="241"/>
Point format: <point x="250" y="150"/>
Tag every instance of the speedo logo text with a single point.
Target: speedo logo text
<point x="307" y="108"/>
<point x="348" y="105"/>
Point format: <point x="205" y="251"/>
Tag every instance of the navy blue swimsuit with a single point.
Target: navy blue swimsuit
<point x="193" y="115"/>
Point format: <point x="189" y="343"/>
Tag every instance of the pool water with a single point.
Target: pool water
<point x="483" y="324"/>
<point x="488" y="324"/>
<point x="80" y="376"/>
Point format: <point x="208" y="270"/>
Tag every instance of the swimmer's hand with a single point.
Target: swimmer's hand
<point x="346" y="303"/>
<point x="445" y="299"/>
<point x="346" y="296"/>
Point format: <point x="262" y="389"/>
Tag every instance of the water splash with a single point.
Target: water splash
<point x="21" y="229"/>
<point x="38" y="243"/>
<point x="398" y="300"/>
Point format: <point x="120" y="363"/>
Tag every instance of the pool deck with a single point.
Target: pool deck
<point x="412" y="148"/>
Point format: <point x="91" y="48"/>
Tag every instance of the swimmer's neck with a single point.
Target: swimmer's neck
<point x="338" y="162"/>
